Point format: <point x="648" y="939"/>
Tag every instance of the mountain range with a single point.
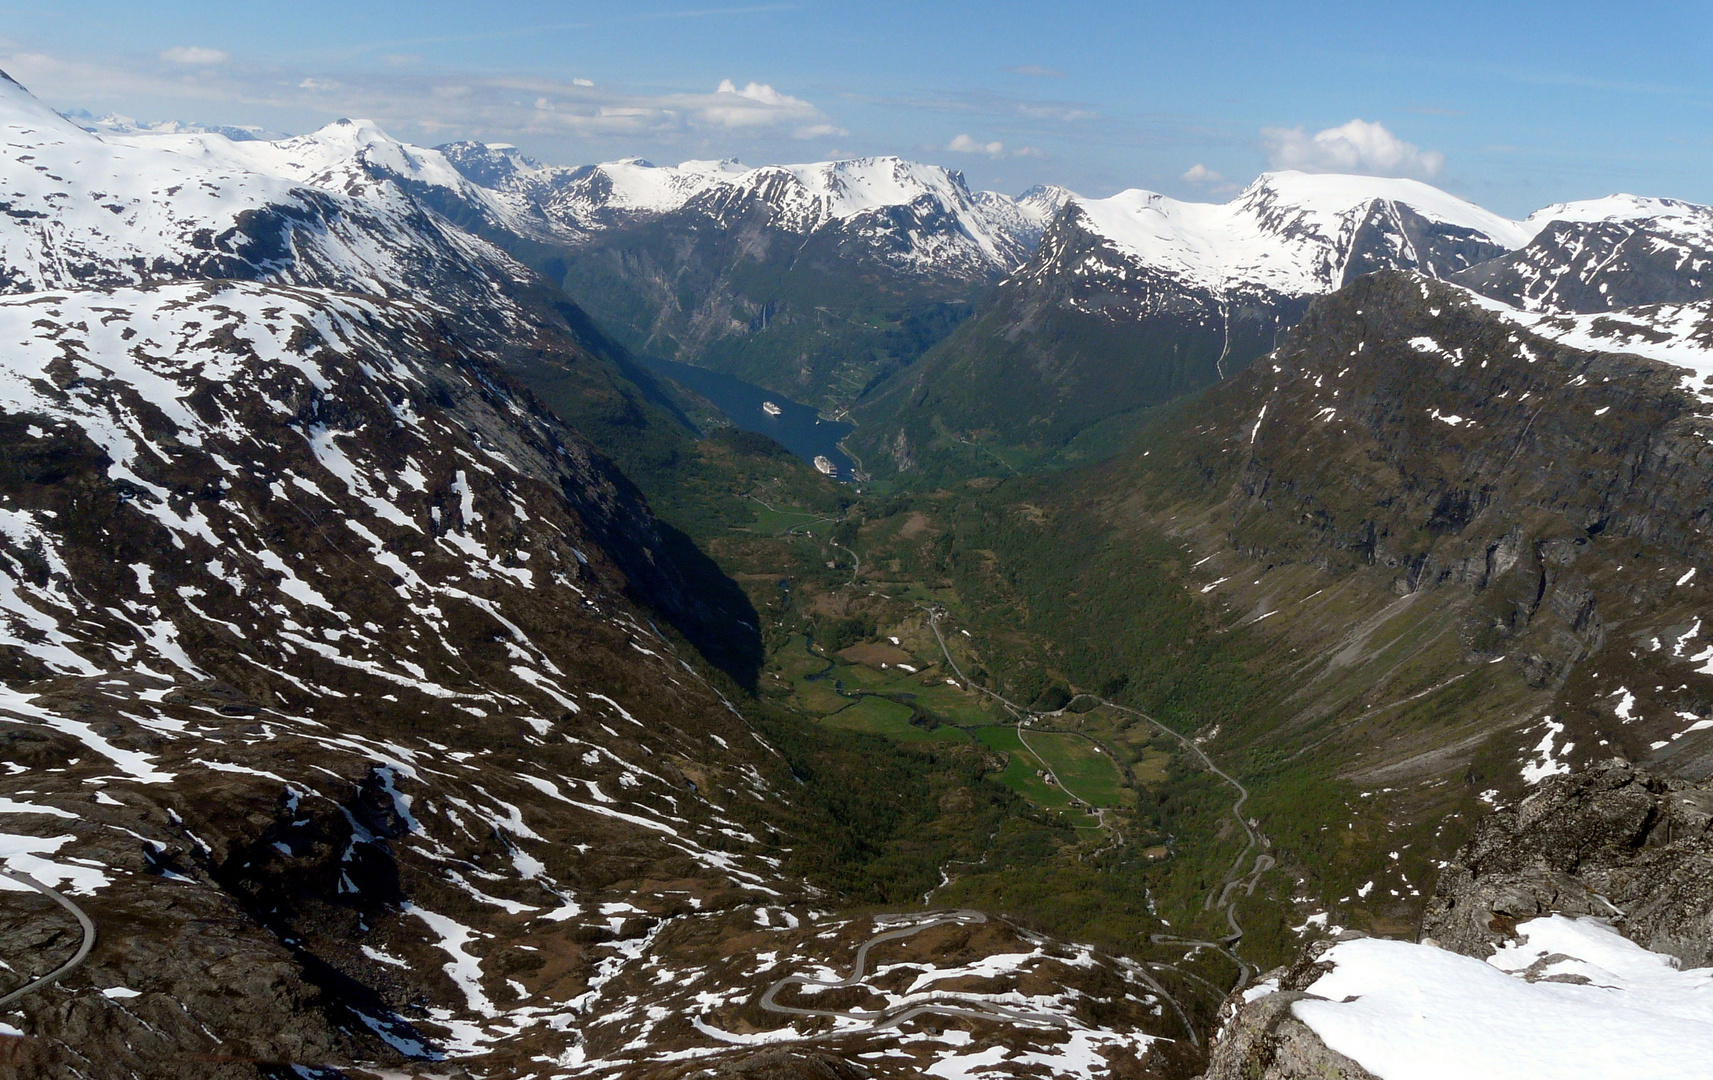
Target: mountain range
<point x="830" y="281"/>
<point x="402" y="680"/>
<point x="361" y="703"/>
<point x="1131" y="301"/>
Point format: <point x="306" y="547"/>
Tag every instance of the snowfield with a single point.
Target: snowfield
<point x="1288" y="232"/>
<point x="82" y="211"/>
<point x="1572" y="999"/>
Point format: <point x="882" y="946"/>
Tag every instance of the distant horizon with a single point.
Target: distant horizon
<point x="1514" y="109"/>
<point x="91" y="122"/>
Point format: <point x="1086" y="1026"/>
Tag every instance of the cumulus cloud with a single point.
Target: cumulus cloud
<point x="194" y="56"/>
<point x="1356" y="147"/>
<point x="758" y="105"/>
<point x="1201" y="174"/>
<point x="965" y="144"/>
<point x="969" y="144"/>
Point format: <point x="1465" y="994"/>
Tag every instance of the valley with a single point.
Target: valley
<point x="422" y="653"/>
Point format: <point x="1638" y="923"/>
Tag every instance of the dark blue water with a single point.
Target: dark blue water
<point x="797" y="428"/>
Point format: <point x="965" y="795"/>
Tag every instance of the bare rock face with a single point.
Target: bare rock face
<point x="1265" y="1042"/>
<point x="1261" y="1039"/>
<point x="790" y="1065"/>
<point x="1613" y="841"/>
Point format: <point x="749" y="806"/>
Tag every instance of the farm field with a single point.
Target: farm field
<point x="1085" y="770"/>
<point x="878" y="716"/>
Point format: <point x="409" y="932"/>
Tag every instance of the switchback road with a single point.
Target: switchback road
<point x="83" y="920"/>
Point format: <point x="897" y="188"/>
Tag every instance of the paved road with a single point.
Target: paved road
<point x="77" y="958"/>
<point x="1223" y="894"/>
<point x="883" y="1018"/>
<point x="965" y="1006"/>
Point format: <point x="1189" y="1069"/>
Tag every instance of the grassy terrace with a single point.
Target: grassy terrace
<point x="1081" y="766"/>
<point x="923" y="707"/>
<point x="771" y="522"/>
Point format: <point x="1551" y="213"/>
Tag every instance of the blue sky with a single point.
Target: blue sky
<point x="1514" y="105"/>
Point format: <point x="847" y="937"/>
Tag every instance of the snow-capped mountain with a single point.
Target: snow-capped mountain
<point x="666" y="258"/>
<point x="1603" y="255"/>
<point x="1134" y="299"/>
<point x="1026" y="216"/>
<point x="1292" y="235"/>
<point x="84" y="211"/>
<point x="1137" y="298"/>
<point x="814" y="280"/>
<point x="921" y="218"/>
<point x="1289" y="234"/>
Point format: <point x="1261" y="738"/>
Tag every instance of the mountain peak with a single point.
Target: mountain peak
<point x="1328" y="195"/>
<point x="1617" y="207"/>
<point x="1292" y="233"/>
<point x="20" y="109"/>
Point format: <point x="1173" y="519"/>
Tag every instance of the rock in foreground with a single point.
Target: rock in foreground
<point x="1570" y="938"/>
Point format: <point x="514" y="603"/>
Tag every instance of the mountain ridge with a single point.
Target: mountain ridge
<point x="1133" y="301"/>
<point x="369" y="712"/>
<point x="389" y="720"/>
<point x="645" y="248"/>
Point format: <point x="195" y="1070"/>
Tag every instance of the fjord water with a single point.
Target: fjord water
<point x="797" y="427"/>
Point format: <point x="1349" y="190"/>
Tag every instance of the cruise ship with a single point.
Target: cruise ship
<point x="770" y="408"/>
<point x="825" y="464"/>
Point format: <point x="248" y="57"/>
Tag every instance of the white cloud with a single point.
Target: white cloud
<point x="1068" y="114"/>
<point x="1356" y="147"/>
<point x="1036" y="71"/>
<point x="507" y="108"/>
<point x="964" y="144"/>
<point x="194" y="55"/>
<point x="1201" y="174"/>
<point x="758" y="105"/>
<point x="967" y="144"/>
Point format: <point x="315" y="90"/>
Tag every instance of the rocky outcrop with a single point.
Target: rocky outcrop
<point x="1604" y="265"/>
<point x="1266" y="1042"/>
<point x="1261" y="1039"/>
<point x="1612" y="841"/>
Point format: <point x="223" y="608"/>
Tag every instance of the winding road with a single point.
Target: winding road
<point x="1234" y="878"/>
<point x="83" y="920"/>
<point x="967" y="1006"/>
<point x="1222" y="897"/>
<point x="883" y="1018"/>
